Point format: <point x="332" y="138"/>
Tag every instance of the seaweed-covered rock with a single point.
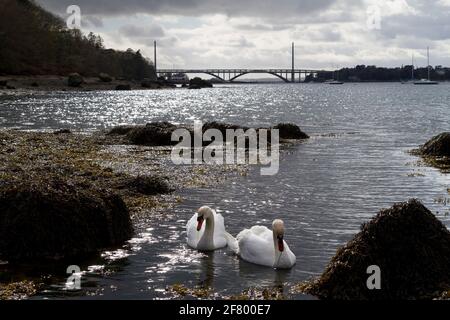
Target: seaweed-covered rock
<point x="55" y="220"/>
<point x="104" y="77"/>
<point x="438" y="146"/>
<point x="290" y="131"/>
<point x="153" y="134"/>
<point x="123" y="87"/>
<point x="149" y="185"/>
<point x="222" y="127"/>
<point x="160" y="133"/>
<point x="62" y="131"/>
<point x="150" y="84"/>
<point x="409" y="244"/>
<point x="74" y="80"/>
<point x="198" y="83"/>
<point x="18" y="290"/>
<point x="121" y="130"/>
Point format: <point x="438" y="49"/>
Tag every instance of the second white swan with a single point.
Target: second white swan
<point x="206" y="230"/>
<point x="262" y="246"/>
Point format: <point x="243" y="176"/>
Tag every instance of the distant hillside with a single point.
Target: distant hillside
<point x="36" y="42"/>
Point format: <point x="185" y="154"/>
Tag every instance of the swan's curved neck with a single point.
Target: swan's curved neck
<point x="209" y="226"/>
<point x="275" y="244"/>
<point x="278" y="253"/>
<point x="207" y="240"/>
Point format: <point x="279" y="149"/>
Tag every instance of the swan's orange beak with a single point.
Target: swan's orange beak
<point x="280" y="244"/>
<point x="200" y="223"/>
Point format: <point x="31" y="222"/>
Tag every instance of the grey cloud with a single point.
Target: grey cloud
<point x="89" y="20"/>
<point x="263" y="27"/>
<point x="242" y="43"/>
<point x="267" y="8"/>
<point x="132" y="31"/>
<point x="431" y="24"/>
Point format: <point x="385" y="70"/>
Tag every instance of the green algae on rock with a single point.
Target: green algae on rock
<point x="409" y="244"/>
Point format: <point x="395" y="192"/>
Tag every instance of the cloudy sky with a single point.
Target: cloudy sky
<point x="258" y="33"/>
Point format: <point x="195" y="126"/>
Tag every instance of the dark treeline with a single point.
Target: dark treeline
<point x="374" y="73"/>
<point x="36" y="42"/>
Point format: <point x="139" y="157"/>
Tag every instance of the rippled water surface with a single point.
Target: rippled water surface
<point x="356" y="163"/>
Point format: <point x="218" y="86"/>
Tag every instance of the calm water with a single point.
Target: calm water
<point x="355" y="163"/>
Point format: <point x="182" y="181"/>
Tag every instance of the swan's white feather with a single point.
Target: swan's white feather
<point x="194" y="236"/>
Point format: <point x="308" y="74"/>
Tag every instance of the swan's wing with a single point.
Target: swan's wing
<point x="220" y="237"/>
<point x="256" y="246"/>
<point x="219" y="222"/>
<point x="232" y="243"/>
<point x="193" y="236"/>
<point x="259" y="230"/>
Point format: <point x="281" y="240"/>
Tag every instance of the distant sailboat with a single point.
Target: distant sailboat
<point x="426" y="81"/>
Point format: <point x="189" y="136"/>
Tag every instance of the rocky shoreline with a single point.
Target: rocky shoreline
<point x="77" y="83"/>
<point x="103" y="82"/>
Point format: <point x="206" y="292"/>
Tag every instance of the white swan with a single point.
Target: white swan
<point x="261" y="246"/>
<point x="206" y="230"/>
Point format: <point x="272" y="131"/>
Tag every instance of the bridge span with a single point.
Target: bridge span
<point x="229" y="75"/>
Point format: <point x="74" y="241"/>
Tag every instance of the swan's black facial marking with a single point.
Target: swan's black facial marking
<point x="200" y="220"/>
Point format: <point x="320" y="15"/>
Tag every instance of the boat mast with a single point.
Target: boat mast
<point x="412" y="68"/>
<point x="428" y="55"/>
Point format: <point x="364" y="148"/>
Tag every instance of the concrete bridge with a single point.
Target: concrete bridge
<point x="229" y="75"/>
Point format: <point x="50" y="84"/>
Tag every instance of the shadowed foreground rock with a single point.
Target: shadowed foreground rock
<point x="438" y="146"/>
<point x="56" y="220"/>
<point x="408" y="243"/>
